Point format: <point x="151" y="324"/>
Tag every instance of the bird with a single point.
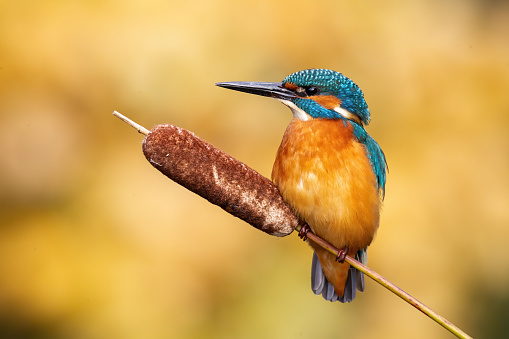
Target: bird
<point x="329" y="170"/>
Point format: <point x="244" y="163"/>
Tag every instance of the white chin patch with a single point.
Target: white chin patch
<point x="297" y="112"/>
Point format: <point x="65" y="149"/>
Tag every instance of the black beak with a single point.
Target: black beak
<point x="266" y="89"/>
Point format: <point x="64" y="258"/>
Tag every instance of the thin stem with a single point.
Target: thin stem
<point x="138" y="127"/>
<point x="390" y="286"/>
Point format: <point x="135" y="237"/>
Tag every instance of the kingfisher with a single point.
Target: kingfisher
<point x="329" y="170"/>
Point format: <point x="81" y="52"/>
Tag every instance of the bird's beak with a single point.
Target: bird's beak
<point x="266" y="89"/>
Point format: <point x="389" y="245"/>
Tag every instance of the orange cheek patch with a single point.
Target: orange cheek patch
<point x="326" y="101"/>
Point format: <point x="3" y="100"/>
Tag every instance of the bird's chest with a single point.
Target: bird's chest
<point x="324" y="173"/>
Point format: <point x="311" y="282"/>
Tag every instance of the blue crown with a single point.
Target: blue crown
<point x="330" y="83"/>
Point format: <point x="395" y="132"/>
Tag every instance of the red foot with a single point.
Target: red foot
<point x="342" y="255"/>
<point x="303" y="232"/>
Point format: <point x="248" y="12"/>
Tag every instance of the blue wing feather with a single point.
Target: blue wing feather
<point x="375" y="154"/>
<point x="377" y="158"/>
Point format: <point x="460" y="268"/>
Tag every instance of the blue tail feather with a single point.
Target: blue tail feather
<point x="354" y="282"/>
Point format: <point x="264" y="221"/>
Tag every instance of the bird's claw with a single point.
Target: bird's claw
<point x="303" y="232"/>
<point x="342" y="255"/>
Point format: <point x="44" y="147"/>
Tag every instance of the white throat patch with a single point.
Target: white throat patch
<point x="297" y="112"/>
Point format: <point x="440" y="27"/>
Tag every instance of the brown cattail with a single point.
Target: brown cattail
<point x="221" y="179"/>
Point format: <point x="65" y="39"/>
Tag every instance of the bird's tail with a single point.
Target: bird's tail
<point x="354" y="281"/>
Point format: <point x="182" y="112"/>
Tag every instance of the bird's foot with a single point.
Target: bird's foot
<point x="342" y="255"/>
<point x="303" y="232"/>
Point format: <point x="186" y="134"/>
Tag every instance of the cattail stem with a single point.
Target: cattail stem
<point x="364" y="269"/>
<point x="390" y="286"/>
<point x="128" y="121"/>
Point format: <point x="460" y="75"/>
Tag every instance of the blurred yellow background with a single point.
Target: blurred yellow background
<point x="95" y="243"/>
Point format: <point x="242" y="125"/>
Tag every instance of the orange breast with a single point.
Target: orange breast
<point x="325" y="175"/>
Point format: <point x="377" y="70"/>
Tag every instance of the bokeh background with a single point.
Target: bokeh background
<point x="95" y="243"/>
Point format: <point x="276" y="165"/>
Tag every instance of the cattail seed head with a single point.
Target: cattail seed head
<point x="221" y="179"/>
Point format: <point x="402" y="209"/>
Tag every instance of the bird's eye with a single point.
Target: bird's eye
<point x="311" y="90"/>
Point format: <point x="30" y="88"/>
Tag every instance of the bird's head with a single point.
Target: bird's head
<point x="313" y="93"/>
